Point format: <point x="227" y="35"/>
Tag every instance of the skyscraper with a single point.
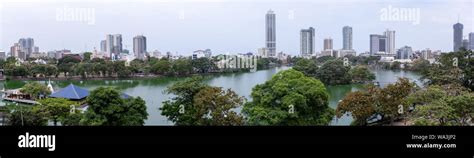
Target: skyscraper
<point x="457" y="36"/>
<point x="328" y="44"/>
<point x="109" y="45"/>
<point x="465" y="44"/>
<point x="17" y="51"/>
<point x="27" y="45"/>
<point x="471" y="40"/>
<point x="118" y="43"/>
<point x="103" y="46"/>
<point x="378" y="43"/>
<point x="347" y="38"/>
<point x="113" y="45"/>
<point x="139" y="46"/>
<point x="270" y="33"/>
<point x="307" y="42"/>
<point x="390" y="43"/>
<point x="405" y="53"/>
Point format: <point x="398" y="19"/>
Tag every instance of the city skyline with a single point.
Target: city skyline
<point x="241" y="33"/>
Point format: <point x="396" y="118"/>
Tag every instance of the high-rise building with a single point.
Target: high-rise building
<point x="405" y="53"/>
<point x="27" y="45"/>
<point x="118" y="43"/>
<point x="471" y="40"/>
<point x="263" y="52"/>
<point x="103" y="46"/>
<point x="465" y="44"/>
<point x="113" y="45"/>
<point x="457" y="36"/>
<point x="328" y="44"/>
<point x="390" y="42"/>
<point x="378" y="44"/>
<point x="3" y="55"/>
<point x="17" y="51"/>
<point x="347" y="38"/>
<point x="109" y="45"/>
<point x="307" y="42"/>
<point x="270" y="33"/>
<point x="139" y="47"/>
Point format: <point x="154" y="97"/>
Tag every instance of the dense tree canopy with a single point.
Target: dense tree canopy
<point x="35" y="90"/>
<point x="361" y="74"/>
<point x="196" y="103"/>
<point x="333" y="72"/>
<point x="106" y="107"/>
<point x="390" y="102"/>
<point x="55" y="108"/>
<point x="289" y="98"/>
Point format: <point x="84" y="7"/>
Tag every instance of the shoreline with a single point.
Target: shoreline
<point x="79" y="78"/>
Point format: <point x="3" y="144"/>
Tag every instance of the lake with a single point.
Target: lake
<point x="152" y="90"/>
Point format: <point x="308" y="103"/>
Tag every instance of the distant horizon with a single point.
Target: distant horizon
<point x="234" y="26"/>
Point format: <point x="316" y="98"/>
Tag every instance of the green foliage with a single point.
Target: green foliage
<point x="161" y="67"/>
<point x="307" y="66"/>
<point x="203" y="65"/>
<point x="420" y="65"/>
<point x="73" y="119"/>
<point x="377" y="101"/>
<point x="24" y="115"/>
<point x="214" y="107"/>
<point x="396" y="65"/>
<point x="324" y="59"/>
<point x="289" y="98"/>
<point x="87" y="56"/>
<point x="463" y="106"/>
<point x="35" y="89"/>
<point x="55" y="108"/>
<point x="333" y="72"/>
<point x="453" y="68"/>
<point x="436" y="113"/>
<point x="360" y="104"/>
<point x="182" y="67"/>
<point x="196" y="103"/>
<point x="106" y="107"/>
<point x="361" y="74"/>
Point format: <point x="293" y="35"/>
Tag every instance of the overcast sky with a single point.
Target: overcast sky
<point x="235" y="26"/>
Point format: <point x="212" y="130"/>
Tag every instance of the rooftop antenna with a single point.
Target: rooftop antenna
<point x="458" y="18"/>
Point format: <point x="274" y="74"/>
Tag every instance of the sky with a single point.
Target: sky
<point x="228" y="26"/>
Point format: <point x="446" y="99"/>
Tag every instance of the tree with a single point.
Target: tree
<point x="361" y="74"/>
<point x="214" y="106"/>
<point x="389" y="99"/>
<point x="396" y="65"/>
<point x="182" y="67"/>
<point x="453" y="68"/>
<point x="420" y="65"/>
<point x="436" y="113"/>
<point x="73" y="119"/>
<point x="13" y="70"/>
<point x="384" y="102"/>
<point x="35" y="89"/>
<point x="360" y="104"/>
<point x="333" y="72"/>
<point x="203" y="65"/>
<point x="426" y="96"/>
<point x="463" y="106"/>
<point x="306" y="66"/>
<point x="87" y="56"/>
<point x="161" y="67"/>
<point x="106" y="107"/>
<point x="324" y="59"/>
<point x="180" y="109"/>
<point x="55" y="108"/>
<point x="289" y="98"/>
<point x="24" y="115"/>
